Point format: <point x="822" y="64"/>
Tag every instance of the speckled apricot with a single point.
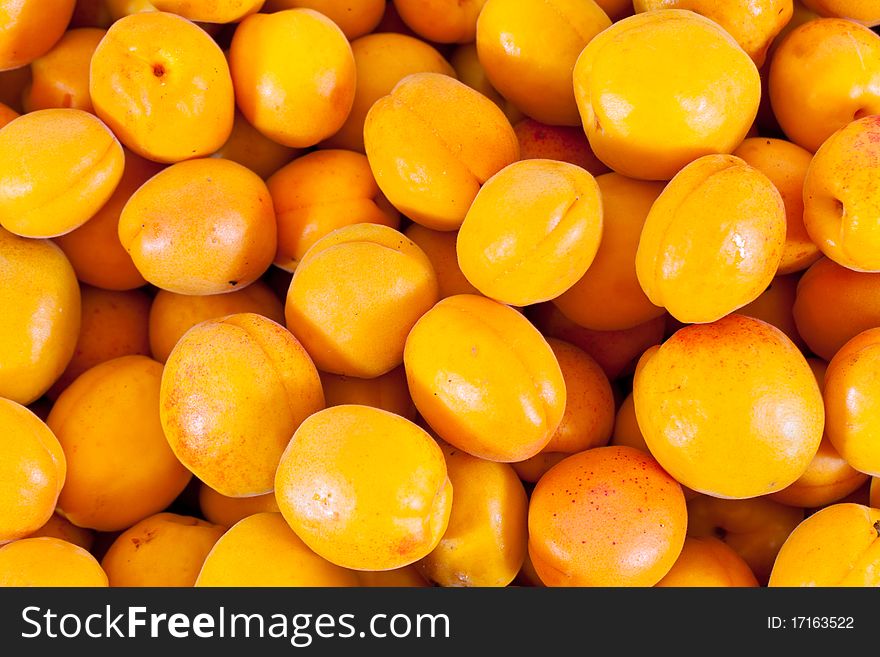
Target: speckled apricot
<point x="233" y="392"/>
<point x="431" y="143"/>
<point x="61" y="76"/>
<point x="708" y="562"/>
<point x="354" y="17"/>
<point x="608" y="516"/>
<point x="557" y="142"/>
<point x="484" y="378"/>
<point x="439" y="246"/>
<point x="226" y="511"/>
<point x="364" y="488"/>
<point x="443" y="21"/>
<point x="862" y="11"/>
<point x="713" y="239"/>
<point x="45" y="561"/>
<point x="775" y="306"/>
<point x="254" y="150"/>
<point x="388" y="392"/>
<point x="29" y="29"/>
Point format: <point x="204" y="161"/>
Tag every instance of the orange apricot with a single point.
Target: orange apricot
<point x="380" y="283"/>
<point x="708" y="562"/>
<point x="233" y="392"/>
<point x="712" y="240"/>
<point x="29" y="29"/>
<point x="7" y="114"/>
<point x="261" y="550"/>
<point x="364" y="488"/>
<point x="742" y="417"/>
<point x="388" y="392"/>
<point x="439" y="246"/>
<point x="874" y="493"/>
<point x="775" y="306"/>
<point x="431" y="143"/>
<point x="294" y="75"/>
<point x="46" y="561"/>
<point x="119" y="9"/>
<point x="442" y="21"/>
<point x="532" y="469"/>
<point x="60" y="167"/>
<point x="60" y="527"/>
<point x="226" y="511"/>
<point x="469" y="70"/>
<point x="608" y="516"/>
<point x="120" y="468"/>
<point x="861" y="11"/>
<point x="254" y="150"/>
<point x="204" y="226"/>
<point x="354" y="17"/>
<point x="626" y="427"/>
<point x="210" y="11"/>
<point x="61" y="76"/>
<point x="484" y="378"/>
<point x="557" y="142"/>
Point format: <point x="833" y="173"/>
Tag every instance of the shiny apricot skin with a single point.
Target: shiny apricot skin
<point x="29" y="29"/>
<point x="528" y="51"/>
<point x="165" y="550"/>
<point x="608" y="297"/>
<point x="775" y="306"/>
<point x="381" y="283"/>
<point x="469" y="70"/>
<point x="120" y="468"/>
<point x="640" y="113"/>
<point x="213" y="11"/>
<point x="61" y="76"/>
<point x="712" y="240"/>
<point x="608" y="516"/>
<point x="834" y="304"/>
<point x="388" y="392"/>
<point x="439" y="246"/>
<point x="785" y="164"/>
<point x="254" y="150"/>
<point x="408" y="576"/>
<point x="755" y="528"/>
<point x="589" y="402"/>
<point x="557" y="142"/>
<point x="119" y="9"/>
<point x="364" y="488"/>
<point x="32" y="471"/>
<point x="744" y="418"/>
<point x="836" y="546"/>
<point x="382" y="60"/>
<point x="226" y="511"/>
<point x="354" y="17"/>
<point x="261" y="550"/>
<point x="41" y="323"/>
<point x="45" y="562"/>
<point x="532" y="469"/>
<point x="484" y="378"/>
<point x="294" y="75"/>
<point x="531" y="232"/>
<point x="861" y="11"/>
<point x="441" y="21"/>
<point x="431" y="143"/>
<point x="485" y="541"/>
<point x="708" y="562"/>
<point x="823" y="75"/>
<point x="163" y="86"/>
<point x="172" y="315"/>
<point x="60" y="167"/>
<point x="217" y="366"/>
<point x="320" y="192"/>
<point x="204" y="226"/>
<point x="841" y="202"/>
<point x="57" y="526"/>
<point x="113" y="324"/>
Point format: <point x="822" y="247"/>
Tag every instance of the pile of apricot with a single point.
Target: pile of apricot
<point x="457" y="293"/>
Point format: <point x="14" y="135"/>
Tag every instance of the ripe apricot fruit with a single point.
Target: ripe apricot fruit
<point x="61" y="76"/>
<point x="443" y="21"/>
<point x="210" y="11"/>
<point x="29" y="29"/>
<point x="538" y="141"/>
<point x="388" y="392"/>
<point x="775" y="306"/>
<point x="254" y="150"/>
<point x="364" y="488"/>
<point x="439" y="246"/>
<point x="48" y="561"/>
<point x="226" y="511"/>
<point x="706" y="562"/>
<point x="862" y="11"/>
<point x="469" y="70"/>
<point x="354" y="17"/>
<point x="608" y="516"/>
<point x="60" y="527"/>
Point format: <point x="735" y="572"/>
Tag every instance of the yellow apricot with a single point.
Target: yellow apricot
<point x="708" y="562"/>
<point x="226" y="511"/>
<point x="469" y="70"/>
<point x="254" y="150"/>
<point x="442" y="21"/>
<point x="45" y="561"/>
<point x="29" y="29"/>
<point x="532" y="469"/>
<point x="210" y="11"/>
<point x="439" y="246"/>
<point x="354" y="17"/>
<point x="121" y="8"/>
<point x="60" y="527"/>
<point x="61" y="76"/>
<point x="364" y="488"/>
<point x="626" y="427"/>
<point x="388" y="392"/>
<point x="557" y="142"/>
<point x="776" y="306"/>
<point x="861" y="11"/>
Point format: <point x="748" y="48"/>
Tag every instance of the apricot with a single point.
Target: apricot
<point x="833" y="305"/>
<point x="45" y="562"/>
<point x="532" y="469"/>
<point x="755" y="528"/>
<point x="439" y="246"/>
<point x="163" y="550"/>
<point x="712" y="240"/>
<point x="32" y="471"/>
<point x="61" y="76"/>
<point x="380" y="283"/>
<point x="163" y="86"/>
<point x="364" y="488"/>
<point x="261" y="550"/>
<point x="41" y="317"/>
<point x="254" y="150"/>
<point x="320" y="192"/>
<point x="861" y="11"/>
<point x="744" y="418"/>
<point x="354" y="17"/>
<point x="841" y="201"/>
<point x="210" y="11"/>
<point x="120" y="468"/>
<point x="381" y="61"/>
<point x="557" y="142"/>
<point x="431" y="143"/>
<point x="608" y="516"/>
<point x="484" y="378"/>
<point x="823" y="75"/>
<point x="294" y="75"/>
<point x="172" y="315"/>
<point x="442" y="21"/>
<point x="528" y="51"/>
<point x="485" y="541"/>
<point x="608" y="297"/>
<point x="531" y="232"/>
<point x="785" y="164"/>
<point x="226" y="511"/>
<point x="644" y="116"/>
<point x="7" y="114"/>
<point x="60" y="167"/>
<point x="205" y="226"/>
<point x="626" y="430"/>
<point x="469" y="70"/>
<point x="233" y="392"/>
<point x="837" y="546"/>
<point x="57" y="526"/>
<point x="29" y="29"/>
<point x="708" y="562"/>
<point x="121" y="8"/>
<point x="388" y="392"/>
<point x="776" y="306"/>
